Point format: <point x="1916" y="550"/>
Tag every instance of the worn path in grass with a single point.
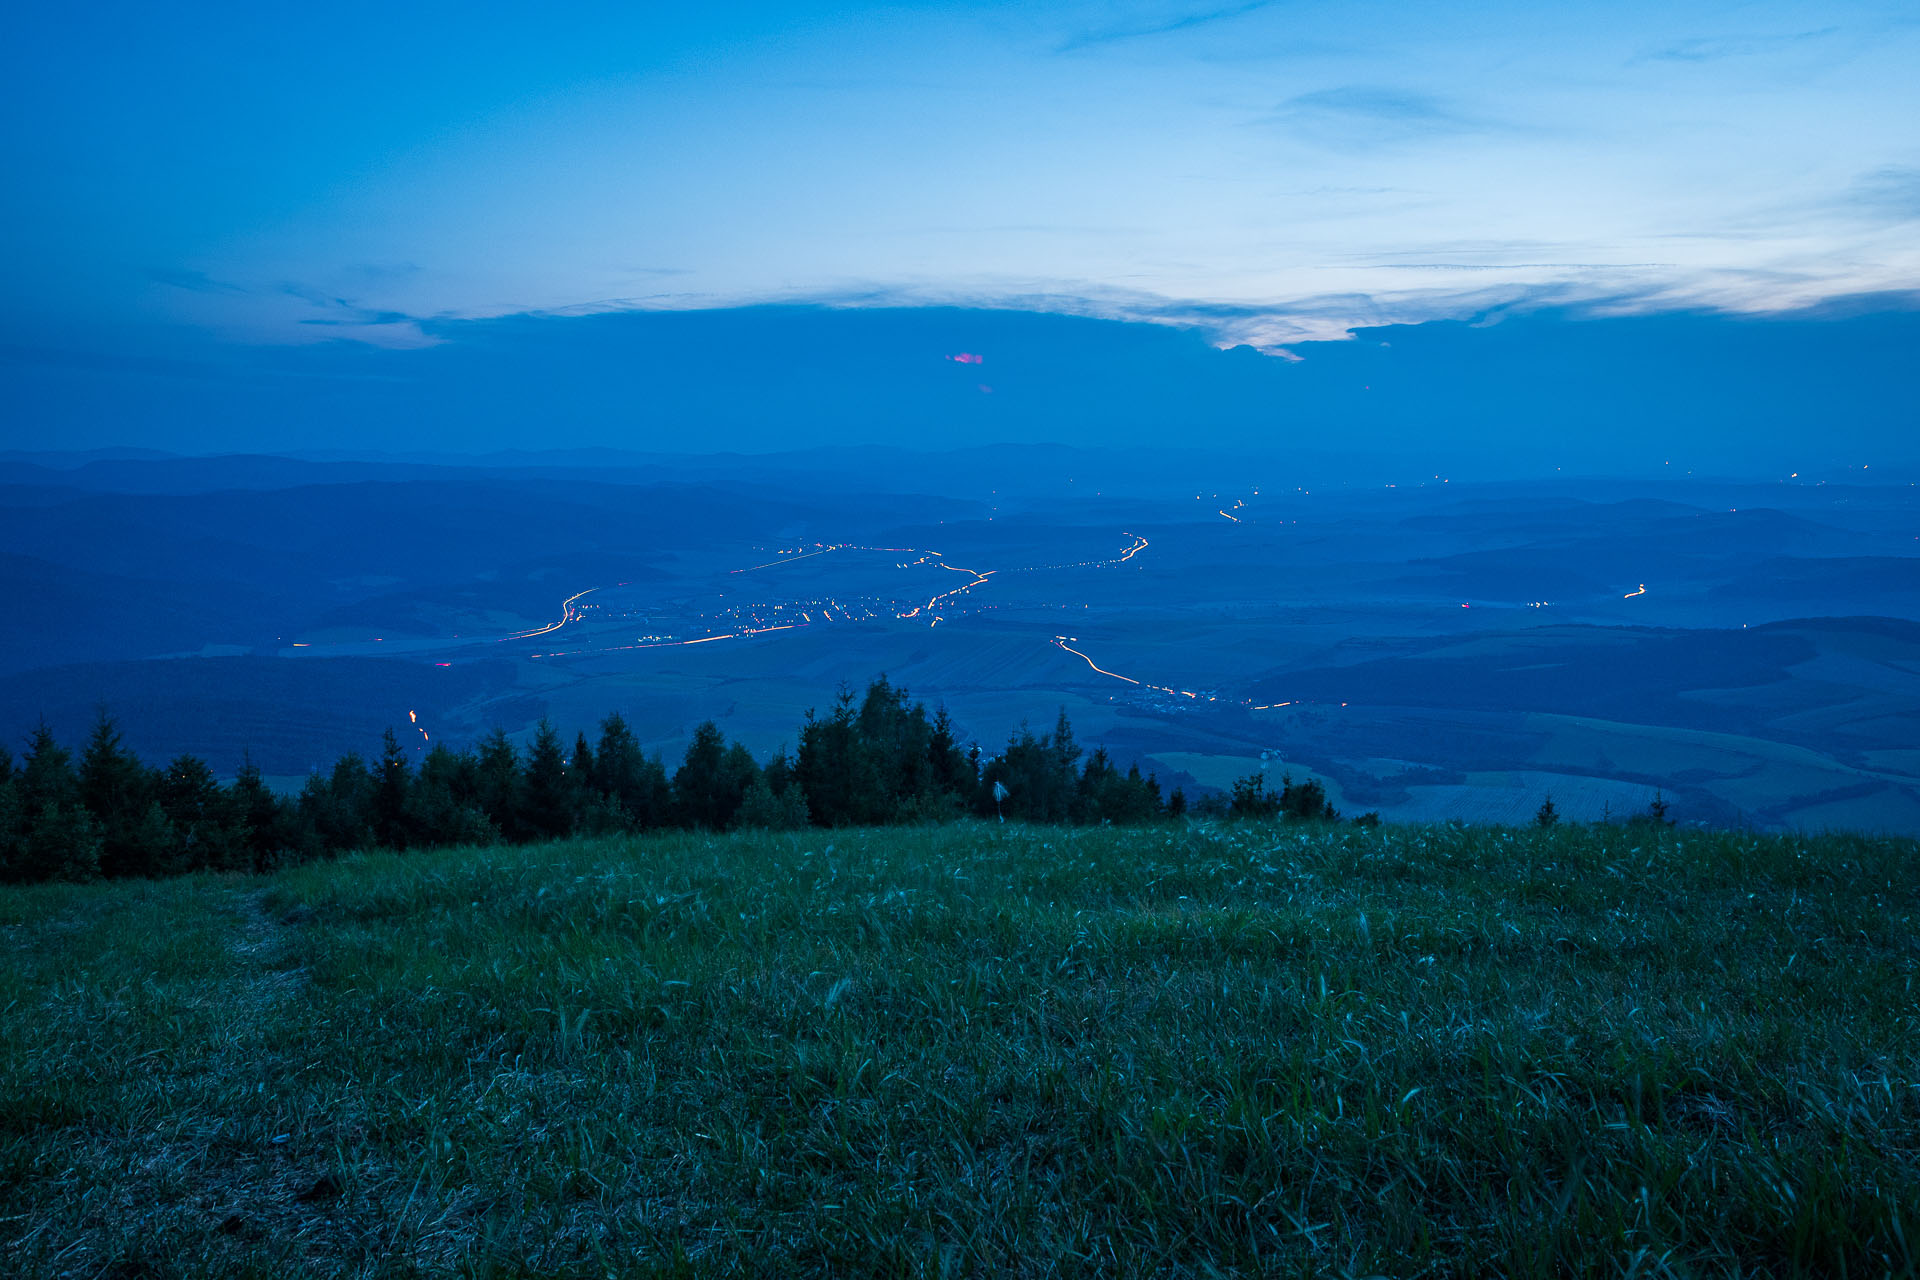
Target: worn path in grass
<point x="978" y="1050"/>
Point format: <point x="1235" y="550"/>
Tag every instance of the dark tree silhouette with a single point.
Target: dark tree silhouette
<point x="547" y="807"/>
<point x="118" y="790"/>
<point x="882" y="760"/>
<point x="392" y="796"/>
<point x="631" y="784"/>
<point x="712" y="780"/>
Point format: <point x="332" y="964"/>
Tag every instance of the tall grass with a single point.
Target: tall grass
<point x="978" y="1050"/>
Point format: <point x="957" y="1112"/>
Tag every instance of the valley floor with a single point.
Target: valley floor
<point x="1179" y="1050"/>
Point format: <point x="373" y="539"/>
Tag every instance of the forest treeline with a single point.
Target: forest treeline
<point x="876" y="760"/>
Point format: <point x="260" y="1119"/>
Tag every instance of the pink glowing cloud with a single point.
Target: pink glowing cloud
<point x="967" y="357"/>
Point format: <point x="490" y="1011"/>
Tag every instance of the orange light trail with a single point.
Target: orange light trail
<point x="567" y="614"/>
<point x="570" y="612"/>
<point x="1631" y="594"/>
<point x="978" y="578"/>
<point x="1061" y="641"/>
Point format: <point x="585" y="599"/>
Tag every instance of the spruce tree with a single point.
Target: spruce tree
<point x="1062" y="784"/>
<point x="712" y="779"/>
<point x="117" y="789"/>
<point x="580" y="774"/>
<point x="62" y="843"/>
<point x="339" y="805"/>
<point x="548" y="812"/>
<point x="498" y="785"/>
<point x="634" y="784"/>
<point x="444" y="801"/>
<point x="204" y="824"/>
<point x="12" y="822"/>
<point x="393" y="783"/>
<point x="827" y="766"/>
<point x="953" y="771"/>
<point x="55" y="838"/>
<point x="266" y="833"/>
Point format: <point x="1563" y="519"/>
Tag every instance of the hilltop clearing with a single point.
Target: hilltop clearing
<point x="977" y="1049"/>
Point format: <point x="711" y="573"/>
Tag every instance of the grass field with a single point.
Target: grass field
<point x="976" y="1050"/>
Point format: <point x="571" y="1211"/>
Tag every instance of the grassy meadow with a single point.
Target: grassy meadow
<point x="977" y="1050"/>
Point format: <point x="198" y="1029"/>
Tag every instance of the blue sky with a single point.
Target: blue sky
<point x="1270" y="173"/>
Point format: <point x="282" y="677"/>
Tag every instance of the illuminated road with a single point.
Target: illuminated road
<point x="1061" y="642"/>
<point x="744" y="621"/>
<point x="978" y="578"/>
<point x="761" y="619"/>
<point x="568" y="613"/>
<point x="1139" y="544"/>
<point x="1067" y="643"/>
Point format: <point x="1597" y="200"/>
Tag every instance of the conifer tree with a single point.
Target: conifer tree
<point x="117" y="789"/>
<point x="46" y="772"/>
<point x="393" y="783"/>
<point x="1253" y="798"/>
<point x="62" y="843"/>
<point x="55" y="838"/>
<point x="953" y="771"/>
<point x="548" y="805"/>
<point x="1062" y="785"/>
<point x="339" y="805"/>
<point x="712" y="779"/>
<point x="827" y="765"/>
<point x="269" y="837"/>
<point x="498" y="784"/>
<point x="580" y="773"/>
<point x="203" y="822"/>
<point x="1306" y="800"/>
<point x="634" y="784"/>
<point x="444" y="801"/>
<point x="13" y="823"/>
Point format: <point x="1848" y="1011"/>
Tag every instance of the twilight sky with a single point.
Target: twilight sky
<point x="222" y="178"/>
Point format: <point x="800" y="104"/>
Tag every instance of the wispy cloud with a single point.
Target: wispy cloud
<point x="1163" y="27"/>
<point x="192" y="281"/>
<point x="345" y="313"/>
<point x="1370" y="115"/>
<point x="1508" y="266"/>
<point x="293" y="312"/>
<point x="1716" y="48"/>
<point x="1890" y="194"/>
